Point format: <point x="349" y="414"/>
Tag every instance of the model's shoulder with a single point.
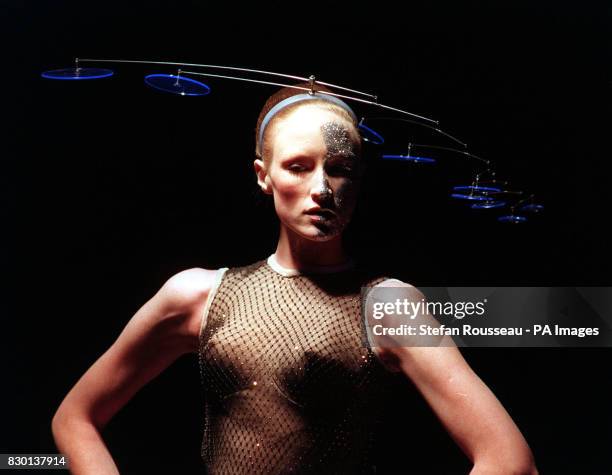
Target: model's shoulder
<point x="188" y="287"/>
<point x="404" y="288"/>
<point x="392" y="282"/>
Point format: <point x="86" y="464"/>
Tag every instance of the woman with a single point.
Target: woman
<point x="290" y="386"/>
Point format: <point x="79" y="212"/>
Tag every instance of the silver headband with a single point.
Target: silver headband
<point x="297" y="98"/>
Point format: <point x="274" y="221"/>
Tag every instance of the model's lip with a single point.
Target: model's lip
<point x="326" y="213"/>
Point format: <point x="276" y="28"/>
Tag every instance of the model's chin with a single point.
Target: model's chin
<point x="322" y="231"/>
<point x="317" y="230"/>
<point x="323" y="237"/>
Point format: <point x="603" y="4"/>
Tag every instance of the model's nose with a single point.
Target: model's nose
<point x="321" y="190"/>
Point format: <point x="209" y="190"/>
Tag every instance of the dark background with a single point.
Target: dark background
<point x="109" y="187"/>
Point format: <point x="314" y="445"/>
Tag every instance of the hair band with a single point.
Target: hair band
<point x="297" y="98"/>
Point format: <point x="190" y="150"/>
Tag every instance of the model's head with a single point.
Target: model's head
<point x="309" y="160"/>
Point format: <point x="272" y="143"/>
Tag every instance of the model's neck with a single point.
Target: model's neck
<point x="295" y="252"/>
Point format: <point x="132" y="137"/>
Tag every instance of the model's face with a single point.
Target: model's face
<point x="314" y="172"/>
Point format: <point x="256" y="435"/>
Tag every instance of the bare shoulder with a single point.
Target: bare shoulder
<point x="185" y="295"/>
<point x="188" y="287"/>
<point x="403" y="287"/>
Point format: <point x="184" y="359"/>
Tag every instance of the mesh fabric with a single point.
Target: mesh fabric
<point x="290" y="385"/>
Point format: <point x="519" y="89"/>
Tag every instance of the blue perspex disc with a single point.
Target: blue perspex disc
<point x="370" y="135"/>
<point x="534" y="208"/>
<point x="476" y="188"/>
<point x="409" y="158"/>
<point x="489" y="204"/>
<point x="177" y="85"/>
<point x="462" y="196"/>
<point x="77" y="73"/>
<point x="512" y="218"/>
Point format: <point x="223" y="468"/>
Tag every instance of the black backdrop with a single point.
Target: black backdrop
<point x="108" y="188"/>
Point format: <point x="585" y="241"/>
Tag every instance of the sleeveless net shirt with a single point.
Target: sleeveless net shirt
<point x="290" y="385"/>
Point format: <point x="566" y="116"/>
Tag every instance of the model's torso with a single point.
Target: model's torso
<point x="290" y="383"/>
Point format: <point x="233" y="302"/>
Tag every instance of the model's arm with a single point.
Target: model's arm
<point x="163" y="329"/>
<point x="468" y="409"/>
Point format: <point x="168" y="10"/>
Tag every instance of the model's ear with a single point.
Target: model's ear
<point x="262" y="176"/>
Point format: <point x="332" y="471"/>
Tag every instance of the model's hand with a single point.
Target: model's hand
<point x="163" y="329"/>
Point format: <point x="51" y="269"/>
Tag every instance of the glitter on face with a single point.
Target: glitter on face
<point x="338" y="141"/>
<point x="341" y="162"/>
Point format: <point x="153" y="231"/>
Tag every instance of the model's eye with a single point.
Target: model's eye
<point x="341" y="170"/>
<point x="296" y="168"/>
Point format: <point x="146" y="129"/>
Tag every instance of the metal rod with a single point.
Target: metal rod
<point x="318" y="92"/>
<point x="258" y="81"/>
<point x="264" y="82"/>
<point x="530" y="197"/>
<point x="399" y="110"/>
<point x="436" y="129"/>
<point x="258" y="71"/>
<point x="463" y="152"/>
